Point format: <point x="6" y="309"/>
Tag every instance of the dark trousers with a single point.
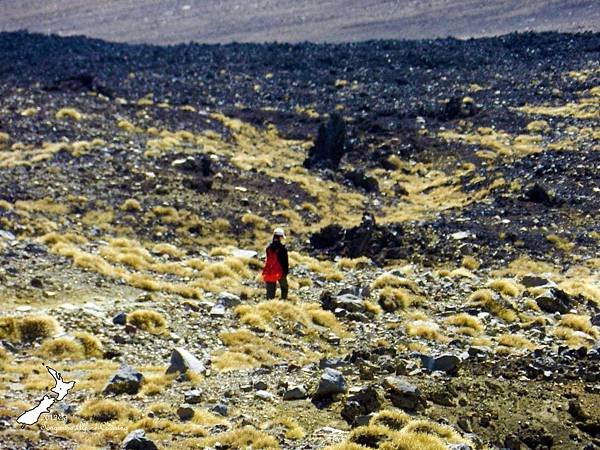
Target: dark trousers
<point x="272" y="287"/>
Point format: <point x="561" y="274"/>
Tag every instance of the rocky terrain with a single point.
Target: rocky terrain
<point x="225" y="21"/>
<point x="440" y="200"/>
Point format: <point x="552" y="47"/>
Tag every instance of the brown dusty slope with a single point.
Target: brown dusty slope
<point x="176" y="21"/>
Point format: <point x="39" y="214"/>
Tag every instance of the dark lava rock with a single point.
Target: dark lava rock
<point x="534" y="281"/>
<point x="37" y="283"/>
<point x="444" y="363"/>
<point x="554" y="300"/>
<point x="361" y="403"/>
<point x="459" y="108"/>
<point x="185" y="413"/>
<point x="363" y="181"/>
<point x="137" y="440"/>
<point x="403" y="394"/>
<point x="346" y="302"/>
<point x="367" y="239"/>
<point x="539" y="194"/>
<point x="330" y="145"/>
<point x="221" y="409"/>
<point x="126" y="380"/>
<point x="120" y="319"/>
<point x="332" y="382"/>
<point x="193" y="397"/>
<point x="596" y="320"/>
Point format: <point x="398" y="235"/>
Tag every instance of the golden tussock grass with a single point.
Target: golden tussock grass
<point x="92" y="346"/>
<point x="425" y="330"/>
<point x="515" y="341"/>
<point x="264" y="314"/>
<point x="127" y="126"/>
<point x="247" y="350"/>
<point x="470" y="263"/>
<point x="488" y="300"/>
<point x="105" y="410"/>
<point x="206" y="418"/>
<point x="148" y="320"/>
<point x="505" y="286"/>
<point x="292" y="429"/>
<point x="392" y="419"/>
<point x="372" y="308"/>
<point x="61" y="348"/>
<point x="466" y="321"/>
<point x="69" y="113"/>
<point x="586" y="288"/>
<point x="44" y="205"/>
<point x="392" y="299"/>
<point x="353" y="263"/>
<point x="28" y="328"/>
<point x="246" y="437"/>
<point x="445" y="432"/>
<point x="131" y="204"/>
<point x="573" y="338"/>
<point x="538" y="126"/>
<point x="579" y="322"/>
<point x="391" y="280"/>
<point x="168" y="249"/>
<point x="560" y="243"/>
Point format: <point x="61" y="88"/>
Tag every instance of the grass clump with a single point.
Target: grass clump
<point x="392" y="419"/>
<point x="28" y="328"/>
<point x="515" y="341"/>
<point x="464" y="320"/>
<point x="371" y="436"/>
<point x="487" y="299"/>
<point x="107" y="411"/>
<point x="579" y="322"/>
<point x="69" y="113"/>
<point x="393" y="299"/>
<point x="391" y="280"/>
<point x="426" y="330"/>
<point x="148" y="320"/>
<point x="470" y="263"/>
<point x="131" y="204"/>
<point x="292" y="430"/>
<point x="90" y="343"/>
<point x="246" y="437"/>
<point x="505" y="286"/>
<point x="427" y="427"/>
<point x="62" y="348"/>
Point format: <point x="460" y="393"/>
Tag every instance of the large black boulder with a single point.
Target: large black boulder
<point x="330" y="146"/>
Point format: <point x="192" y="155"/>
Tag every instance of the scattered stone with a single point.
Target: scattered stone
<point x="193" y="397"/>
<point x="37" y="283"/>
<point x="403" y="394"/>
<point x="332" y="363"/>
<point x="361" y="402"/>
<point x="554" y="300"/>
<point x="228" y="300"/>
<point x="332" y="382"/>
<point x="120" y="319"/>
<point x="185" y="413"/>
<point x="218" y="310"/>
<point x="126" y="380"/>
<point x="137" y="440"/>
<point x="596" y="320"/>
<point x="221" y="409"/>
<point x="296" y="393"/>
<point x="534" y="281"/>
<point x="260" y="386"/>
<point x="444" y="363"/>
<point x="183" y="361"/>
<point x="264" y="395"/>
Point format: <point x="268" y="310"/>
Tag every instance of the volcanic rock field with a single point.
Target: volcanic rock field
<point x="440" y="200"/>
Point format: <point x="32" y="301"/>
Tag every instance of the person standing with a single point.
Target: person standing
<point x="276" y="266"/>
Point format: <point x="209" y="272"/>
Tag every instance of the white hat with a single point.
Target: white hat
<point x="279" y="232"/>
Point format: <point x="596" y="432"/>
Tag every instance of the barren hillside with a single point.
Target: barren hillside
<point x="180" y="21"/>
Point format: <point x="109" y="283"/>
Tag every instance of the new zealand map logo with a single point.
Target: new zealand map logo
<point x="60" y="389"/>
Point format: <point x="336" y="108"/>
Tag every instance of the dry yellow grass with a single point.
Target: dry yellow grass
<point x="470" y="263"/>
<point x="393" y="419"/>
<point x="69" y="113"/>
<point x="246" y="350"/>
<point x="391" y="280"/>
<point x="392" y="299"/>
<point x="90" y="343"/>
<point x="107" y="410"/>
<point x="292" y="430"/>
<point x="515" y="341"/>
<point x="579" y="322"/>
<point x="505" y="286"/>
<point x="426" y="330"/>
<point x="148" y="320"/>
<point x="131" y="204"/>
<point x="61" y="348"/>
<point x="464" y="320"/>
<point x="287" y="314"/>
<point x="246" y="437"/>
<point x="28" y="328"/>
